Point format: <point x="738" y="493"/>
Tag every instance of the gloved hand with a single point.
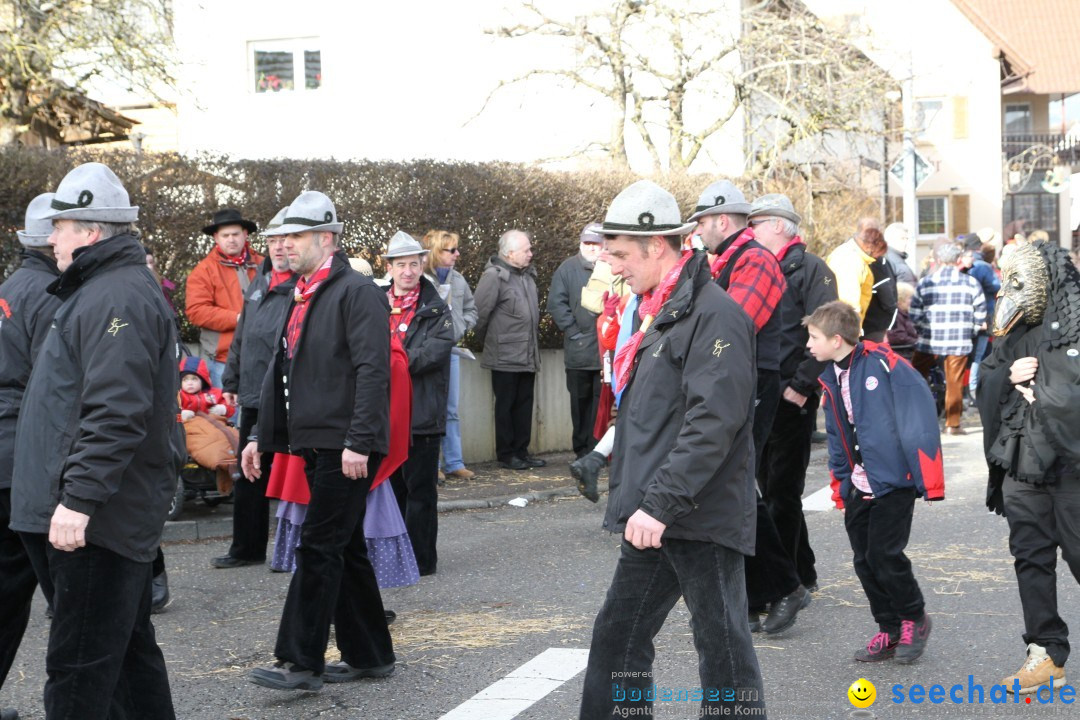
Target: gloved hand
<point x="995" y="498"/>
<point x="611" y="304"/>
<point x="187" y="414"/>
<point x="218" y="409"/>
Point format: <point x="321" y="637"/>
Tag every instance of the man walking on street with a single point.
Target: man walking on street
<point x="266" y="303"/>
<point x="508" y="315"/>
<point x="99" y="481"/>
<point x="26" y="310"/>
<point x="326" y="397"/>
<point x="682" y="477"/>
<point x="580" y="344"/>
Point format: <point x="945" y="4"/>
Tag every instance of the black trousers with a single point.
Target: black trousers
<point x="770" y="573"/>
<point x="17" y="585"/>
<point x="513" y="413"/>
<point x="584" y="389"/>
<point x="878" y="530"/>
<point x="1043" y="518"/>
<point x="103" y="660"/>
<point x="415" y="484"/>
<point x="334" y="580"/>
<point x="782" y="478"/>
<point x="251" y="507"/>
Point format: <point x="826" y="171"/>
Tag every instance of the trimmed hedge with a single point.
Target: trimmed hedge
<point x="178" y="195"/>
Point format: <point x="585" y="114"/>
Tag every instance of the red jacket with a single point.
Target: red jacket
<point x="206" y="398"/>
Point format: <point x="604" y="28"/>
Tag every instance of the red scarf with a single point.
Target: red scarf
<point x="237" y="260"/>
<point x="648" y="308"/>
<point x="276" y="278"/>
<point x="305" y="288"/>
<point x="718" y="264"/>
<point x="402" y="311"/>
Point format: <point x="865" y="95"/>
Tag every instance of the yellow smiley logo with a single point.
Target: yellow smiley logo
<point x="862" y="693"/>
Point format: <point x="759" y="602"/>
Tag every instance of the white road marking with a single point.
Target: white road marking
<point x="819" y="501"/>
<point x="507" y="698"/>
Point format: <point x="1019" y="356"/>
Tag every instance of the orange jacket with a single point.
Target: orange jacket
<point x="215" y="297"/>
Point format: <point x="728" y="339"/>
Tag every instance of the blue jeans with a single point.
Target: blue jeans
<point x="217" y="369"/>
<point x="451" y="442"/>
<point x="647" y="584"/>
<point x="980" y="354"/>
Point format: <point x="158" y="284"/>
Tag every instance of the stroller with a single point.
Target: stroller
<point x="211" y="452"/>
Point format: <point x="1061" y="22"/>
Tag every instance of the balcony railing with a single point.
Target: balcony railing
<point x="1062" y="149"/>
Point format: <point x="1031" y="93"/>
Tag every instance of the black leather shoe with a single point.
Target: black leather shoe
<point x="533" y="462"/>
<point x="586" y="470"/>
<point x="159" y="594"/>
<point x="782" y="613"/>
<point x="9" y="714"/>
<point x="514" y="464"/>
<point x="228" y="561"/>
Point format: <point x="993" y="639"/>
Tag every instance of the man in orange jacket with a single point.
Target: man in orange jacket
<point x="215" y="288"/>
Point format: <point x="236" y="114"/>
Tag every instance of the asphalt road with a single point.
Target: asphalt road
<point x="514" y="582"/>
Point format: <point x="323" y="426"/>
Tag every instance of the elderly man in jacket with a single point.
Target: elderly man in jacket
<point x="421" y="321"/>
<point x="216" y="287"/>
<point x="508" y="315"/>
<point x="326" y="397"/>
<point x="682" y="476"/>
<point x="26" y="310"/>
<point x="99" y="481"/>
<point x="581" y="347"/>
<point x="266" y="302"/>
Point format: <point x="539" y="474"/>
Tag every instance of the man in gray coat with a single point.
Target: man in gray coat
<point x="508" y="315"/>
<point x="580" y="345"/>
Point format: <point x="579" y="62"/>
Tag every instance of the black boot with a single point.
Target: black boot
<point x="586" y="470"/>
<point x="159" y="593"/>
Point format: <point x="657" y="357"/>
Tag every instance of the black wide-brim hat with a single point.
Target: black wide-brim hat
<point x="229" y="216"/>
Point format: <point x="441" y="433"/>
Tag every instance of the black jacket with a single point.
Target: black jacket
<point x="26" y="311"/>
<point x="580" y="344"/>
<point x="881" y="312"/>
<point x="338" y="380"/>
<point x="810" y="284"/>
<point x="256" y="337"/>
<point x="684" y="447"/>
<point x="428" y="343"/>
<point x="99" y="416"/>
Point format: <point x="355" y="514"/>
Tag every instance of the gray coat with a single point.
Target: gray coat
<point x="508" y="315"/>
<point x="582" y="350"/>
<point x="462" y="305"/>
<point x="684" y="448"/>
<point x="898" y="262"/>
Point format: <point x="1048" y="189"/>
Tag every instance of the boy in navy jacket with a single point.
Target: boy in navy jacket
<point x="884" y="451"/>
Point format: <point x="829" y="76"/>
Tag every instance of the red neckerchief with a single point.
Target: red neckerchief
<point x="402" y="311"/>
<point x="305" y="288"/>
<point x="648" y="307"/>
<point x="236" y="260"/>
<point x="718" y="264"/>
<point x="791" y="243"/>
<point x="276" y="278"/>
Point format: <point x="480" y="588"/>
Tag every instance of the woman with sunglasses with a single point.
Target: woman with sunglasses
<point x="445" y="250"/>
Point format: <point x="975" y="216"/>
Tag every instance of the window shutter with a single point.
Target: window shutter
<point x="960" y="214"/>
<point x="960" y="117"/>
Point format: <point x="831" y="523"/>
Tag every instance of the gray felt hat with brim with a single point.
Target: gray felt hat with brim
<point x="720" y="198"/>
<point x="37" y="230"/>
<point x="278" y="220"/>
<point x="644" y="209"/>
<point x="593" y="233"/>
<point x="92" y="192"/>
<point x="774" y="205"/>
<point x="402" y="245"/>
<point x="311" y="211"/>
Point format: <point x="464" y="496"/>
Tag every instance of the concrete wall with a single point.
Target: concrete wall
<point x="551" y="411"/>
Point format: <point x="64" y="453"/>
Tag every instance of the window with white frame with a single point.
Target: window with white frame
<point x="290" y="65"/>
<point x="932" y="215"/>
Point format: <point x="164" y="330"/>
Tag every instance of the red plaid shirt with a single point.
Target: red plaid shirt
<point x="304" y="290"/>
<point x="757" y="282"/>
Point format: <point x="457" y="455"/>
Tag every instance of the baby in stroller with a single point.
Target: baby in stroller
<point x="212" y="443"/>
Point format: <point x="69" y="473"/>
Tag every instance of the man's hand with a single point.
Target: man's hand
<point x="795" y="398"/>
<point x="643" y="530"/>
<point x="250" y="461"/>
<point x="1023" y="370"/>
<point x="67" y="531"/>
<point x="229" y="398"/>
<point x="353" y="464"/>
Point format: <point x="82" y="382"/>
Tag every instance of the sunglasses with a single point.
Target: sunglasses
<point x="453" y="250"/>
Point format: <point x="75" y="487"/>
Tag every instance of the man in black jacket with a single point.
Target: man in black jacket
<point x="782" y="471"/>
<point x="26" y="311"/>
<point x="326" y="397"/>
<point x="266" y="302"/>
<point x="420" y="320"/>
<point x="94" y="466"/>
<point x="682" y="473"/>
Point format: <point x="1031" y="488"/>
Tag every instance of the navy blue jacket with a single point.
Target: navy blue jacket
<point x="898" y="434"/>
